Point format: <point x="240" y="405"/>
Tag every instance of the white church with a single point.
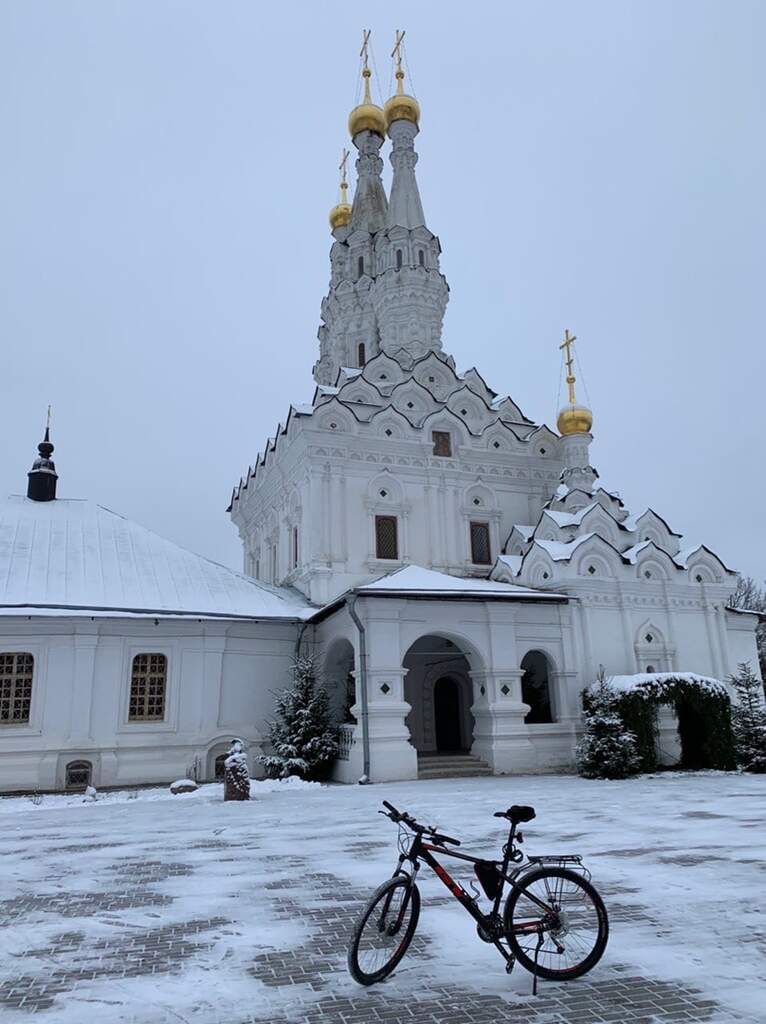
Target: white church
<point x="454" y="568"/>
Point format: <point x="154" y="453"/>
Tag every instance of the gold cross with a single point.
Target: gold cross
<point x="569" y="340"/>
<point x="397" y="50"/>
<point x="366" y="32"/>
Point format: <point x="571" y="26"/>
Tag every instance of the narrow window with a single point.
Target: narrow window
<point x="386" y="541"/>
<point x="147" y="688"/>
<point x="398" y="259"/>
<point x="257" y="568"/>
<point x="273" y="563"/>
<point x="442" y="440"/>
<point x="16" y="671"/>
<point x="78" y="775"/>
<point x="360" y="265"/>
<point x="421" y="258"/>
<point x="295" y="547"/>
<point x="361" y="354"/>
<point x="480" y="551"/>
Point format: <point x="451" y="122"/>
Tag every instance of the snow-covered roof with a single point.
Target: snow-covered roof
<point x="414" y="579"/>
<point x="513" y="562"/>
<point x="71" y="555"/>
<point x="561" y="552"/>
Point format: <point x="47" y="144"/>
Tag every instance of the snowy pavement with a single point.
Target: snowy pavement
<point x="153" y="909"/>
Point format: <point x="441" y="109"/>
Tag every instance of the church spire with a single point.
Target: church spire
<point x="340" y="214"/>
<point x="402" y="111"/>
<point x="574" y="423"/>
<point x="367" y="127"/>
<point x="41" y="485"/>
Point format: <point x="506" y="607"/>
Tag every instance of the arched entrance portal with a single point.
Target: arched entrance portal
<point x="439" y="690"/>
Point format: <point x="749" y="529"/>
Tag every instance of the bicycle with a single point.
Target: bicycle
<point x="554" y="922"/>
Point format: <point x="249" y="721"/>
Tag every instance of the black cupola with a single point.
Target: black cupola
<point x="42" y="475"/>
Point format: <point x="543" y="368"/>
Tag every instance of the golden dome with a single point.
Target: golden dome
<point x="368" y="116"/>
<point x="575" y="419"/>
<point x="401" y="107"/>
<point x="340" y="215"/>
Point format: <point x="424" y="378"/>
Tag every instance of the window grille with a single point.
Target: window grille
<point x="386" y="541"/>
<point x="78" y="775"/>
<point x="147" y="687"/>
<point x="16" y="671"/>
<point x="442" y="440"/>
<point x="480" y="549"/>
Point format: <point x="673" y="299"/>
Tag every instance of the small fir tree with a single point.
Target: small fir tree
<point x="608" y="750"/>
<point x="236" y="777"/>
<point x="748" y="720"/>
<point x="303" y="735"/>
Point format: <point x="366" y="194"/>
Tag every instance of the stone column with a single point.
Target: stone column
<point x="501" y="736"/>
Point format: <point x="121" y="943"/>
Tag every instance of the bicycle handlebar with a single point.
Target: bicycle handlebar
<point x="407" y="819"/>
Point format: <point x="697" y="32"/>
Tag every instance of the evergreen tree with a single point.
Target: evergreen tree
<point x="748" y="720"/>
<point x="752" y="597"/>
<point x="236" y="776"/>
<point x="303" y="735"/>
<point x="608" y="750"/>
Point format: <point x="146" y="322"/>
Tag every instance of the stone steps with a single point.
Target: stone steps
<point x="451" y="766"/>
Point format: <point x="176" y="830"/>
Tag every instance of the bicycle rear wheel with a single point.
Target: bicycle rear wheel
<point x="384" y="931"/>
<point x="575" y="943"/>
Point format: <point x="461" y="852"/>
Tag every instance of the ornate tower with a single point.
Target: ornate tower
<point x="574" y="423"/>
<point x="386" y="290"/>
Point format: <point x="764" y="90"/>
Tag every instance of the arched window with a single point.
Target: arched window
<point x="481" y="551"/>
<point x="650" y="668"/>
<point x="535" y="687"/>
<point x="360" y="265"/>
<point x="147" y="688"/>
<point x="16" y="671"/>
<point x="421" y="258"/>
<point x="398" y="259"/>
<point x="361" y="354"/>
<point x="78" y="775"/>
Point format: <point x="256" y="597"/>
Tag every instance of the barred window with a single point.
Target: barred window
<point x="386" y="541"/>
<point x="147" y="687"/>
<point x="16" y="671"/>
<point x="480" y="549"/>
<point x="442" y="440"/>
<point x="78" y="775"/>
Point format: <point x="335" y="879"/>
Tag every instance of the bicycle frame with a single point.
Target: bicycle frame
<point x="421" y="850"/>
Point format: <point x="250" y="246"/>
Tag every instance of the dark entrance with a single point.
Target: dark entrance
<point x="447" y="714"/>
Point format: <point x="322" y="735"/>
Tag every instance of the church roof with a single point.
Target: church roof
<point x="414" y="579"/>
<point x="68" y="556"/>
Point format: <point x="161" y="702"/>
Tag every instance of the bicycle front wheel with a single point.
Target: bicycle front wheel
<point x="384" y="931"/>
<point x="572" y="939"/>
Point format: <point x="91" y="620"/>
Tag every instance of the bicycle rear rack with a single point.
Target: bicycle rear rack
<point x="573" y="861"/>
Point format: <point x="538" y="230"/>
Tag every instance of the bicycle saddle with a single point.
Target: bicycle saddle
<point x="517" y="813"/>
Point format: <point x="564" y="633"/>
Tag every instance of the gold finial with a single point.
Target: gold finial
<point x="396" y="53"/>
<point x="367" y="116"/>
<point x="569" y="340"/>
<point x="401" y="107"/>
<point x="340" y="215"/>
<point x="573" y="418"/>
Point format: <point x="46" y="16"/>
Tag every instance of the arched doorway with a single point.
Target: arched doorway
<point x="439" y="690"/>
<point x="536" y="687"/>
<point x="339" y="680"/>
<point x="447" y="715"/>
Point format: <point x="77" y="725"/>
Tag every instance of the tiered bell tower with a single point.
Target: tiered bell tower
<point x="387" y="292"/>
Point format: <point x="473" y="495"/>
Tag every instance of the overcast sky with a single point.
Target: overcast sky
<point x="168" y="165"/>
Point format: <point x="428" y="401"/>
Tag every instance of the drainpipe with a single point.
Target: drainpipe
<point x="362" y="676"/>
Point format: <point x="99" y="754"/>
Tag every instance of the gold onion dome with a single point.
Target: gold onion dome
<point x="401" y="107"/>
<point x="368" y="116"/>
<point x="340" y="214"/>
<point x="575" y="419"/>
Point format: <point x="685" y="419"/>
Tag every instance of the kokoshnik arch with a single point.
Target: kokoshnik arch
<point x="456" y="567"/>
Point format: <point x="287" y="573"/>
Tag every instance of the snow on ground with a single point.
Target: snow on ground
<point x="221" y="887"/>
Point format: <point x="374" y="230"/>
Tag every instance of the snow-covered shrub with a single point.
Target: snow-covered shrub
<point x="236" y="775"/>
<point x="748" y="720"/>
<point x="608" y="750"/>
<point x="183" y="786"/>
<point x="303" y="735"/>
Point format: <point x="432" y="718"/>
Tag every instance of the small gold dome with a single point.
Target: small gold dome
<point x="368" y="116"/>
<point x="401" y="107"/>
<point x="575" y="419"/>
<point x="340" y="215"/>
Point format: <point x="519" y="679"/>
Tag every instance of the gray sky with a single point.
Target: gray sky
<point x="167" y="169"/>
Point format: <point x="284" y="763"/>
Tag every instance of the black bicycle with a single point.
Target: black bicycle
<point x="554" y="922"/>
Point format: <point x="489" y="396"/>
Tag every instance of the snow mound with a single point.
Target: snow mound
<point x="259" y="787"/>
